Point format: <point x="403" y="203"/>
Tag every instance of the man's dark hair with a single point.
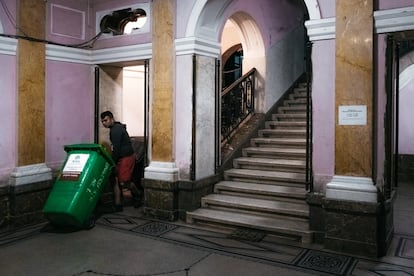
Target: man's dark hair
<point x="107" y="113"/>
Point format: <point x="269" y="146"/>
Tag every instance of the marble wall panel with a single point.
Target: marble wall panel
<point x="353" y="85"/>
<point x="205" y="117"/>
<point x="184" y="118"/>
<point x="31" y="83"/>
<point x="163" y="83"/>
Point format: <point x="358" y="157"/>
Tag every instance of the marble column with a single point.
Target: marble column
<point x="31" y="83"/>
<point x="31" y="179"/>
<point x="160" y="177"/>
<point x="31" y="94"/>
<point x="356" y="221"/>
<point x="163" y="85"/>
<point x="162" y="166"/>
<point x="353" y="97"/>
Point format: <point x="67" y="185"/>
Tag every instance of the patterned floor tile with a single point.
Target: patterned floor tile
<point x="325" y="262"/>
<point x="154" y="228"/>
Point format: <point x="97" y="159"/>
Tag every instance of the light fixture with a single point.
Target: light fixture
<point x="117" y="21"/>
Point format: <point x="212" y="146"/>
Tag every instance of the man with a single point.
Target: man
<point x="123" y="156"/>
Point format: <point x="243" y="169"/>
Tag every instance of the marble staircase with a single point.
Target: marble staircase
<point x="266" y="188"/>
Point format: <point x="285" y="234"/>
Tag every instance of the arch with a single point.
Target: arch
<point x="406" y="74"/>
<point x="205" y="18"/>
<point x="313" y="9"/>
<point x="251" y="35"/>
<point x="252" y="43"/>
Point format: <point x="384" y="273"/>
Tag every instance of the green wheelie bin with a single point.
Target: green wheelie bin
<point x="77" y="189"/>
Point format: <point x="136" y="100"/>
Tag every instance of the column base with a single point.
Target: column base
<point x="29" y="188"/>
<point x="360" y="228"/>
<point x="165" y="171"/>
<point x="30" y="174"/>
<point x="161" y="190"/>
<point x="352" y="188"/>
<point x="161" y="199"/>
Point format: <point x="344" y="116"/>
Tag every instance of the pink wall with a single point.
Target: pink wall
<point x="323" y="99"/>
<point x="8" y="26"/>
<point x="275" y="19"/>
<point x="65" y="23"/>
<point x="388" y="4"/>
<point x="69" y="108"/>
<point x="327" y="8"/>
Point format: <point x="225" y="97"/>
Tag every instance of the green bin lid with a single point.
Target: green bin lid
<point x="91" y="147"/>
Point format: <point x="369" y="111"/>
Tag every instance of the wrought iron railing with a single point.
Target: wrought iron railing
<point x="237" y="103"/>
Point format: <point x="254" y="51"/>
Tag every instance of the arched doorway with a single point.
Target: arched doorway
<point x="242" y="49"/>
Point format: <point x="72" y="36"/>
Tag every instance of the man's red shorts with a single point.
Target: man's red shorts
<point x="124" y="168"/>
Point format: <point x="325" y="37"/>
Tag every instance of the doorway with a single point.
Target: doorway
<point x="122" y="89"/>
<point x="399" y="135"/>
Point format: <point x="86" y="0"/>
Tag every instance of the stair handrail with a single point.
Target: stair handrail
<point x="237" y="103"/>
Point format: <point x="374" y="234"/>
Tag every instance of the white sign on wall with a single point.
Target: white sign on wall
<point x="352" y="115"/>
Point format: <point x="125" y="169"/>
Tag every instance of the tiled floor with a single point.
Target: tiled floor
<point x="127" y="243"/>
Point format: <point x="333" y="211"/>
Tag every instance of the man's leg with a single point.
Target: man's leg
<point x="137" y="194"/>
<point x="117" y="196"/>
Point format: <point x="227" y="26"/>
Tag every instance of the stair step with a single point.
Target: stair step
<point x="300" y="90"/>
<point x="269" y="132"/>
<point x="266" y="190"/>
<point x="289" y="116"/>
<point x="286" y="124"/>
<point x="279" y="226"/>
<point x="265" y="177"/>
<point x="273" y="152"/>
<point x="281" y="142"/>
<point x="269" y="207"/>
<point x="296" y="101"/>
<point x="260" y="190"/>
<point x="298" y="95"/>
<point x="300" y="87"/>
<point x="269" y="164"/>
<point x="292" y="109"/>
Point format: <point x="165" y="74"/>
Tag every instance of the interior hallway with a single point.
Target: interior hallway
<point x="127" y="243"/>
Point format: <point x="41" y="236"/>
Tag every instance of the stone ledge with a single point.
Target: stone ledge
<point x="30" y="174"/>
<point x="164" y="171"/>
<point x="357" y="189"/>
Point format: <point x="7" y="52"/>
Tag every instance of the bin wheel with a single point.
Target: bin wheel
<point x="89" y="222"/>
